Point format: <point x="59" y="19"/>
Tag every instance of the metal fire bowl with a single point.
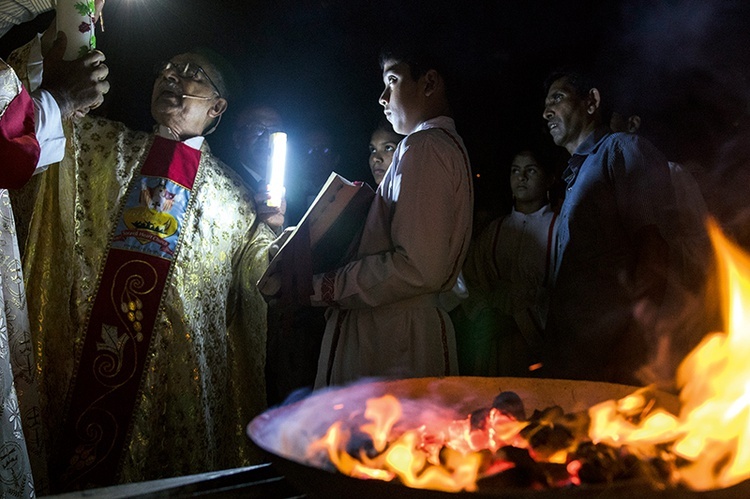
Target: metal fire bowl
<point x="285" y="433"/>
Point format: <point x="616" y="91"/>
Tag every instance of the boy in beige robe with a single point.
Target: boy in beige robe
<point x="386" y="319"/>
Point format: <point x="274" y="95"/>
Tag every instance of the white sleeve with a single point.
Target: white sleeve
<point x="48" y="128"/>
<point x="35" y="63"/>
<point x="14" y="12"/>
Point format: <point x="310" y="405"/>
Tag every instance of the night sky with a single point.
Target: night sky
<point x="683" y="64"/>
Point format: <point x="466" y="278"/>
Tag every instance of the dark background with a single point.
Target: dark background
<point x="683" y="65"/>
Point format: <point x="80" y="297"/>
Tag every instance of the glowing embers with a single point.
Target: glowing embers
<point x="493" y="447"/>
<point x="706" y="447"/>
<point x="448" y="457"/>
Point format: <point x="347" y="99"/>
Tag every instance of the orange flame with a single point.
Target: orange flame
<point x="709" y="441"/>
<point x="448" y="460"/>
<point x="712" y="432"/>
<point x="384" y="412"/>
<point x="715" y="381"/>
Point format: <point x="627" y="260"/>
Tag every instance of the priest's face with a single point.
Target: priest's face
<point x="185" y="97"/>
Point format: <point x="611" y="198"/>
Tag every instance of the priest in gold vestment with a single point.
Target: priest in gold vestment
<point x="142" y="262"/>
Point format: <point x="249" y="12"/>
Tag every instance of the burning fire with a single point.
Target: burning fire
<point x="706" y="447"/>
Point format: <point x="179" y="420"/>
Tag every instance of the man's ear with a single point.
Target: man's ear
<point x="432" y="80"/>
<point x="593" y="100"/>
<point x="218" y="108"/>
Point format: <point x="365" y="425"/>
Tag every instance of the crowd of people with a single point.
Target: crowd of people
<point x="140" y="346"/>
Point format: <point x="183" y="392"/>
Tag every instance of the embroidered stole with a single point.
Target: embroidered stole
<point x="111" y="361"/>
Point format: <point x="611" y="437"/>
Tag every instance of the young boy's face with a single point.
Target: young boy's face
<point x="402" y="98"/>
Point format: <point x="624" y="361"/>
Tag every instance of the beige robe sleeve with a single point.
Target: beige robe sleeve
<point x="413" y="241"/>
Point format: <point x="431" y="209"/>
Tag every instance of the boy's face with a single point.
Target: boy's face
<point x="403" y="98"/>
<point x="528" y="181"/>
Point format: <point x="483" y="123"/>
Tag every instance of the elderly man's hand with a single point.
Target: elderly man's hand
<point x="271" y="215"/>
<point x="77" y="86"/>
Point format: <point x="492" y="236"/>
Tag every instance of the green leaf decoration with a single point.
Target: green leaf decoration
<point x="112" y="341"/>
<point x="92" y="42"/>
<point x="84" y="9"/>
<point x="83" y="50"/>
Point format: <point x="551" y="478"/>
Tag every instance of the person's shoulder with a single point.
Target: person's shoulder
<point x="630" y="142"/>
<point x="434" y="138"/>
<point x="90" y="121"/>
<point x="631" y="148"/>
<point x="97" y="129"/>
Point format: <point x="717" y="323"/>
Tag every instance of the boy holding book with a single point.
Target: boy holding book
<point x="385" y="317"/>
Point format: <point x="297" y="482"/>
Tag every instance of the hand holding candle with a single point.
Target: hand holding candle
<point x="76" y="19"/>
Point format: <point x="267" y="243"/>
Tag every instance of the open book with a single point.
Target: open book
<point x="330" y="228"/>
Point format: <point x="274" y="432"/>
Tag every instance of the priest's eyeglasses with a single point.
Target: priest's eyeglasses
<point x="188" y="70"/>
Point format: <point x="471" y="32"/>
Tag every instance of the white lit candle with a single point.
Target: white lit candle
<point x="75" y="18"/>
<point x="276" y="168"/>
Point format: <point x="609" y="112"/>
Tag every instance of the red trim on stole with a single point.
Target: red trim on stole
<point x="172" y="160"/>
<point x="18" y="145"/>
<point x="115" y="348"/>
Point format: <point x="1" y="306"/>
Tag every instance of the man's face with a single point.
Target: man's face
<point x="185" y="100"/>
<point x="566" y="114"/>
<point x="528" y="181"/>
<point x="320" y="154"/>
<point x="252" y="134"/>
<point x="402" y="98"/>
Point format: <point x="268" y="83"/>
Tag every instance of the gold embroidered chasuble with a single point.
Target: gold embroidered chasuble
<point x="204" y="374"/>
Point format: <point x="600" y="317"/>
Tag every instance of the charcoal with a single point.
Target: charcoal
<point x="577" y="423"/>
<point x="657" y="470"/>
<point x="526" y="473"/>
<point x="510" y="403"/>
<point x="552" y="430"/>
<point x="548" y="415"/>
<point x="478" y="418"/>
<point x="511" y="478"/>
<point x="601" y="463"/>
<point x="557" y="474"/>
<point x="359" y="443"/>
<point x="547" y="439"/>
